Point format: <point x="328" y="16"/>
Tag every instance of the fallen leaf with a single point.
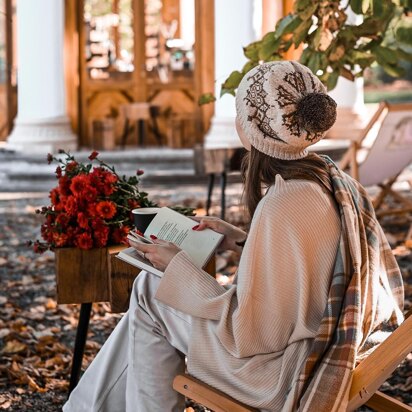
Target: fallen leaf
<point x="5" y="405"/>
<point x="4" y="332"/>
<point x="14" y="346"/>
<point x="51" y="304"/>
<point x="33" y="385"/>
<point x="27" y="280"/>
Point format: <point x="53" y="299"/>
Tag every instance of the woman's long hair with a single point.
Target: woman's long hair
<point x="259" y="170"/>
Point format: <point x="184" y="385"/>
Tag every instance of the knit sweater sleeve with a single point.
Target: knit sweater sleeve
<point x="283" y="275"/>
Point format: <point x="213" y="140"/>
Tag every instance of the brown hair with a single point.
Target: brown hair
<point x="260" y="170"/>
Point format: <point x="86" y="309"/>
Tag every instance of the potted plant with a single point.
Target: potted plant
<point x="89" y="211"/>
<point x="88" y="219"/>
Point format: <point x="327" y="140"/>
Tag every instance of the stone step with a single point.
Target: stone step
<point x="21" y="171"/>
<point x="170" y="179"/>
<point x="129" y="156"/>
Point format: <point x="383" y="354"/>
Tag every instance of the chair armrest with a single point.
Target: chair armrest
<point x="369" y="375"/>
<point x="207" y="396"/>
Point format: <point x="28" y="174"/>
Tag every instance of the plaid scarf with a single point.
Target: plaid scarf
<point x="365" y="299"/>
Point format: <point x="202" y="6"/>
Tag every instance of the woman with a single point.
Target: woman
<point x="316" y="288"/>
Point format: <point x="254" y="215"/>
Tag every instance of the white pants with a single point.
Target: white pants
<point x="134" y="370"/>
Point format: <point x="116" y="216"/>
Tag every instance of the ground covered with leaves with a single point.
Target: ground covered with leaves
<point x="37" y="335"/>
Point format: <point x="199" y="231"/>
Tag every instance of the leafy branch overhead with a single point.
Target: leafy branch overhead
<point x="332" y="43"/>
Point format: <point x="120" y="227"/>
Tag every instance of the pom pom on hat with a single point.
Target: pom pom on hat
<point x="316" y="112"/>
<point x="283" y="108"/>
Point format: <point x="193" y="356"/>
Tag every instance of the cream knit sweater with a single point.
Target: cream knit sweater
<point x="251" y="339"/>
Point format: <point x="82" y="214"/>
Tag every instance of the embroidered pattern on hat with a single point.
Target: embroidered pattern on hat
<point x="288" y="97"/>
<point x="255" y="98"/>
<point x="295" y="79"/>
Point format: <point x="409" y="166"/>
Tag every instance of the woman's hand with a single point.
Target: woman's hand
<point x="159" y="254"/>
<point x="232" y="233"/>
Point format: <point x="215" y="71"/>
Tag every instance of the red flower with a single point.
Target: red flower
<point x="106" y="209"/>
<point x="139" y="172"/>
<point x="101" y="235"/>
<point x="71" y="206"/>
<point x="119" y="235"/>
<point x="49" y="158"/>
<point x="62" y="220"/>
<point x="91" y="209"/>
<point x="133" y="204"/>
<point x="88" y="205"/>
<point x="64" y="185"/>
<point x="54" y="196"/>
<point x="70" y="167"/>
<point x="83" y="221"/>
<point x="39" y="247"/>
<point x="89" y="194"/>
<point x="46" y="232"/>
<point x="84" y="241"/>
<point x="97" y="223"/>
<point x="103" y="181"/>
<point x="58" y="172"/>
<point x="93" y="155"/>
<point x="60" y="239"/>
<point x="110" y="179"/>
<point x="79" y="184"/>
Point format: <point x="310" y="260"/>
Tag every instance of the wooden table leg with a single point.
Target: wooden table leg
<point x="81" y="336"/>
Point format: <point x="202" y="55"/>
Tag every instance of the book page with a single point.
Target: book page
<point x="135" y="237"/>
<point x="132" y="256"/>
<point x="176" y="228"/>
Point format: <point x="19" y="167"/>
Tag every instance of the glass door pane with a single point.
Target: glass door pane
<point x="109" y="39"/>
<point x="170" y="36"/>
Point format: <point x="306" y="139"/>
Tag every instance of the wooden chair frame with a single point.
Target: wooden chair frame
<point x="368" y="376"/>
<point x="349" y="161"/>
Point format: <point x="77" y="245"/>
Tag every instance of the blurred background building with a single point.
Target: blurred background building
<point x="110" y="73"/>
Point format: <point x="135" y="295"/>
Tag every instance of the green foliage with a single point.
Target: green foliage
<point x="332" y="46"/>
<point x="206" y="98"/>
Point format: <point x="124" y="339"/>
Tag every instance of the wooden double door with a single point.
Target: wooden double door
<point x="117" y="54"/>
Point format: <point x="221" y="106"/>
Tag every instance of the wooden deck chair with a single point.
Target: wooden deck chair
<point x="382" y="152"/>
<point x="368" y="376"/>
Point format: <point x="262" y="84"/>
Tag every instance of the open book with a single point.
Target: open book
<point x="176" y="228"/>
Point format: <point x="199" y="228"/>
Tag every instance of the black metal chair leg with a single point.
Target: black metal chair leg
<point x="223" y="180"/>
<point x="156" y="131"/>
<point x="81" y="336"/>
<point x="141" y="131"/>
<point x="125" y="133"/>
<point x="209" y="192"/>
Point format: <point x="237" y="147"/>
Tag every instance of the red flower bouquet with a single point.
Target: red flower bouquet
<point x="90" y="207"/>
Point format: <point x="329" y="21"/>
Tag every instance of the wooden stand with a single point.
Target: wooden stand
<point x="96" y="275"/>
<point x="82" y="276"/>
<point x="122" y="276"/>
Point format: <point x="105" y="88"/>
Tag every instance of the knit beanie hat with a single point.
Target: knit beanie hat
<point x="283" y="108"/>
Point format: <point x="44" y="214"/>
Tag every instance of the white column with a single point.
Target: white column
<point x="42" y="124"/>
<point x="233" y="30"/>
<point x="351" y="114"/>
